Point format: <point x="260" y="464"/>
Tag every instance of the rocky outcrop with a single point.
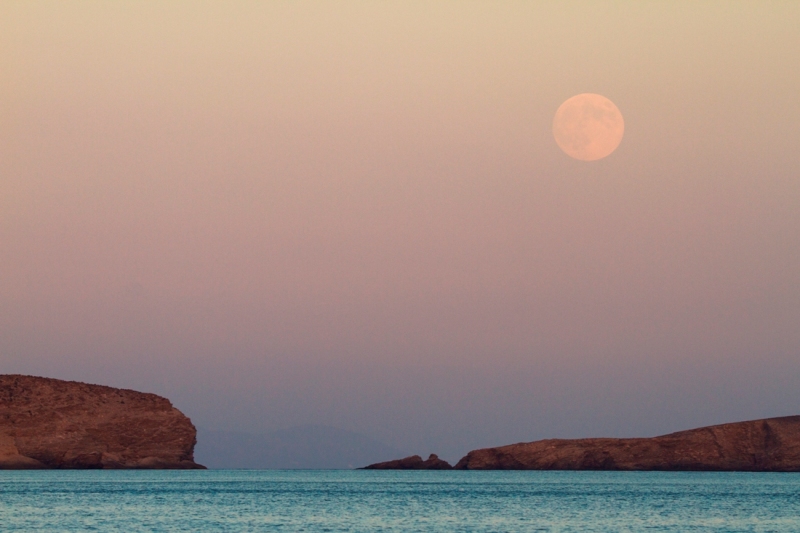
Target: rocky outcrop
<point x="49" y="423"/>
<point x="769" y="445"/>
<point x="414" y="462"/>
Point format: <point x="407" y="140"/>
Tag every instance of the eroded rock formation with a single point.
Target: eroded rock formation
<point x="413" y="462"/>
<point x="49" y="423"/>
<point x="769" y="445"/>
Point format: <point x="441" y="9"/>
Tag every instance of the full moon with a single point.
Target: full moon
<point x="588" y="127"/>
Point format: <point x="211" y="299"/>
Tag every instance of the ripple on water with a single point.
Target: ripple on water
<point x="346" y="500"/>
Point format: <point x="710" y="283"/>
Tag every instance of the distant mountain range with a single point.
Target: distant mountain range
<point x="311" y="447"/>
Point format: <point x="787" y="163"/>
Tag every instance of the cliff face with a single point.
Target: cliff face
<point x="49" y="423"/>
<point x="769" y="445"/>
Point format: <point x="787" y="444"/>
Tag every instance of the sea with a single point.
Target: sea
<point x="359" y="500"/>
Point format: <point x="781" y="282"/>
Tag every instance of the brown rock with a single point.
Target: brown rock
<point x="769" y="445"/>
<point x="49" y="423"/>
<point x="413" y="462"/>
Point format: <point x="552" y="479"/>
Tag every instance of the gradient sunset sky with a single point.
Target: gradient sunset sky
<point x="355" y="214"/>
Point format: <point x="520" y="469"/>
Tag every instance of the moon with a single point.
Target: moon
<point x="588" y="127"/>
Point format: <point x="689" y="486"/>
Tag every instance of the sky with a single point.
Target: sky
<point x="354" y="214"/>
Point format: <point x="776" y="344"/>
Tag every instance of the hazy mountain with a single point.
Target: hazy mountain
<point x="297" y="447"/>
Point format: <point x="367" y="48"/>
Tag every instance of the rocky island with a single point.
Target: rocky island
<point x="49" y="423"/>
<point x="413" y="462"/>
<point x="768" y="445"/>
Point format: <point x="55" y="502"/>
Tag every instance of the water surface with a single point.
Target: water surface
<point x="346" y="500"/>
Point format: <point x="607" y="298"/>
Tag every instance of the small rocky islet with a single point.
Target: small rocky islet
<point x="413" y="462"/>
<point x="766" y="445"/>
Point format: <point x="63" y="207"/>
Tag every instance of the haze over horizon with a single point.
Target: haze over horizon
<point x="355" y="215"/>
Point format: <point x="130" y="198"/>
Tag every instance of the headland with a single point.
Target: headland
<point x="766" y="445"/>
<point x="50" y="423"/>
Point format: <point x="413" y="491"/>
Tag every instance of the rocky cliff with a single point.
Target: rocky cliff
<point x="769" y="445"/>
<point x="49" y="423"/>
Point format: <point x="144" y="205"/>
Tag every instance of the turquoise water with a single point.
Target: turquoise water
<point x="346" y="500"/>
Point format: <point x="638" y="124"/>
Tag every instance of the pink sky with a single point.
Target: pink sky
<point x="355" y="214"/>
